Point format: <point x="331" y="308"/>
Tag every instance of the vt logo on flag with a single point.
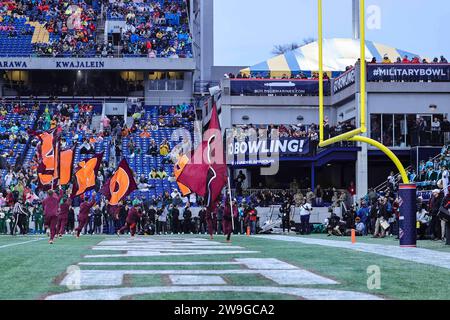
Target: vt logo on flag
<point x="47" y="151"/>
<point x="120" y="185"/>
<point x="47" y="154"/>
<point x="86" y="174"/>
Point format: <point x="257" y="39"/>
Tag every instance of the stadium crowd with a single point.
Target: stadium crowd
<point x="69" y="29"/>
<point x="409" y="60"/>
<point x="433" y="172"/>
<point x="70" y="26"/>
<point x="294" y="75"/>
<point x="153" y="28"/>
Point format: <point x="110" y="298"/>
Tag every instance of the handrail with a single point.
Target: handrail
<point x="385" y="183"/>
<point x="251" y="191"/>
<point x="114" y="55"/>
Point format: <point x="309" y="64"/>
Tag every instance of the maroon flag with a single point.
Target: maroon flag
<point x="120" y="185"/>
<point x="206" y="172"/>
<point x="45" y="180"/>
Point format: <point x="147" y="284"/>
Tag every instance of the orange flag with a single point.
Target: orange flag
<point x="66" y="158"/>
<point x="48" y="161"/>
<point x="86" y="174"/>
<point x="47" y="150"/>
<point x="120" y="185"/>
<point x="177" y="170"/>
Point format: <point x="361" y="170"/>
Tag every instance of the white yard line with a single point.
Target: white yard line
<point x="19" y="243"/>
<point x="157" y="263"/>
<point x="418" y="255"/>
<point x="306" y="293"/>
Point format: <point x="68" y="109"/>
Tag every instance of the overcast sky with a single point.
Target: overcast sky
<point x="245" y="31"/>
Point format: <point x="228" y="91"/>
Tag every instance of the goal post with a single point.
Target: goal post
<point x="362" y="109"/>
<point x="354" y="135"/>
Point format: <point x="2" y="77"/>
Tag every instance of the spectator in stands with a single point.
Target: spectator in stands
<point x="145" y="134"/>
<point x="131" y="147"/>
<point x="152" y="149"/>
<point x="153" y="174"/>
<point x="161" y="173"/>
<point x="239" y="181"/>
<point x="415" y="60"/>
<point x="86" y="147"/>
<point x="161" y="121"/>
<point x="106" y="123"/>
<point x="310" y="196"/>
<point x="153" y="127"/>
<point x="125" y="131"/>
<point x="164" y="148"/>
<point x="318" y="195"/>
<point x="433" y="208"/>
<point x="436" y="131"/>
<point x="386" y="59"/>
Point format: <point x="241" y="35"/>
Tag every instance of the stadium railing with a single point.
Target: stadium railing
<point x="383" y="186"/>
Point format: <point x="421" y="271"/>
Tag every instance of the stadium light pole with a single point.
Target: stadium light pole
<point x="356" y="19"/>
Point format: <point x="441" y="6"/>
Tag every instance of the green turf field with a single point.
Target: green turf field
<point x="34" y="269"/>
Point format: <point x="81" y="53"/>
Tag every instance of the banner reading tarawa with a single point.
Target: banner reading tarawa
<point x="408" y="72"/>
<point x="254" y="152"/>
<point x="256" y="87"/>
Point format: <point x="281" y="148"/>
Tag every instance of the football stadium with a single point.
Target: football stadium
<point x="133" y="167"/>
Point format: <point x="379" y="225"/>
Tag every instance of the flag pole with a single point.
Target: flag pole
<point x="55" y="160"/>
<point x="231" y="200"/>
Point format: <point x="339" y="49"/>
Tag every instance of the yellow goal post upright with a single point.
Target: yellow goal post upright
<point x="354" y="135"/>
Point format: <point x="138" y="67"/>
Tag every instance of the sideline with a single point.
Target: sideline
<point x="418" y="255"/>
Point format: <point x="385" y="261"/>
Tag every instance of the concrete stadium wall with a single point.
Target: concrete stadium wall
<point x="275" y="115"/>
<point x="317" y="216"/>
<point x="169" y="97"/>
<point x="348" y="111"/>
<point x="408" y="102"/>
